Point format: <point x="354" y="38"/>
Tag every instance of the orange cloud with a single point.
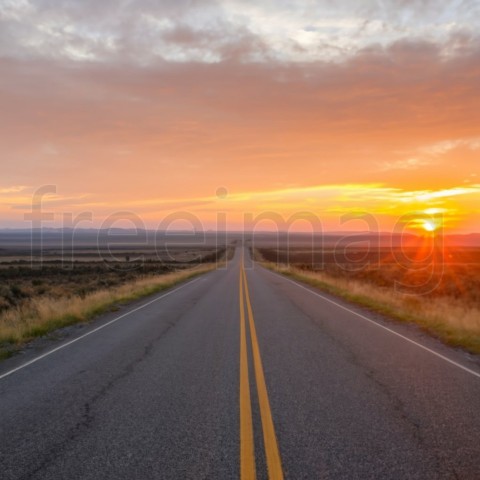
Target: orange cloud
<point x="337" y="207"/>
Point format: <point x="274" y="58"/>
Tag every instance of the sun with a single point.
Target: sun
<point x="431" y="225"/>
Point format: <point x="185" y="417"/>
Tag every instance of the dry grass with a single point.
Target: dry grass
<point x="40" y="315"/>
<point x="450" y="319"/>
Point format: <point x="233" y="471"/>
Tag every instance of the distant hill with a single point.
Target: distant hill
<point x="471" y="240"/>
<point x="91" y="238"/>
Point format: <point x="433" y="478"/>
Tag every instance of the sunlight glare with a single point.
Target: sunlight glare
<point x="430" y="225"/>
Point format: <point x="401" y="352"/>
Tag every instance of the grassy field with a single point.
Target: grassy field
<point x="441" y="295"/>
<point x="40" y="297"/>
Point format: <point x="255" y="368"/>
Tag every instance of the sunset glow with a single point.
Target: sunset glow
<point x="430" y="226"/>
<point x="349" y="112"/>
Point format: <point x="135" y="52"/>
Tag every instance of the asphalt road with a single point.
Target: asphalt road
<point x="236" y="372"/>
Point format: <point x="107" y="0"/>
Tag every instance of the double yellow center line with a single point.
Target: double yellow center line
<point x="247" y="447"/>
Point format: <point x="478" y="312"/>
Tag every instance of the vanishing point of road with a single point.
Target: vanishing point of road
<point x="241" y="374"/>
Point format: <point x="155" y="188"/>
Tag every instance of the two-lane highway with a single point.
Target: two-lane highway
<point x="241" y="373"/>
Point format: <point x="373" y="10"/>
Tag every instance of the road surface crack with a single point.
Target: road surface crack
<point x="87" y="417"/>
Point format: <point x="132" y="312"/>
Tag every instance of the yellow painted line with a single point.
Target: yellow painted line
<point x="272" y="453"/>
<point x="247" y="451"/>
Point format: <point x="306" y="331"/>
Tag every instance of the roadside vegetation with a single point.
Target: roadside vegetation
<point x="36" y="300"/>
<point x="448" y="309"/>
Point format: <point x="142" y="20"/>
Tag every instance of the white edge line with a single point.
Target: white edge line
<point x="433" y="352"/>
<point x="46" y="354"/>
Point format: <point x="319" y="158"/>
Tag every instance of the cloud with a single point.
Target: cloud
<point x="164" y="97"/>
<point x="143" y="31"/>
<point x="445" y="146"/>
<point x="12" y="189"/>
<point x="377" y="206"/>
<point x="231" y="116"/>
<point x="407" y="84"/>
<point x="432" y="154"/>
<point x="412" y="163"/>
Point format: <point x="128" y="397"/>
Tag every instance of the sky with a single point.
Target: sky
<point x="357" y="114"/>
